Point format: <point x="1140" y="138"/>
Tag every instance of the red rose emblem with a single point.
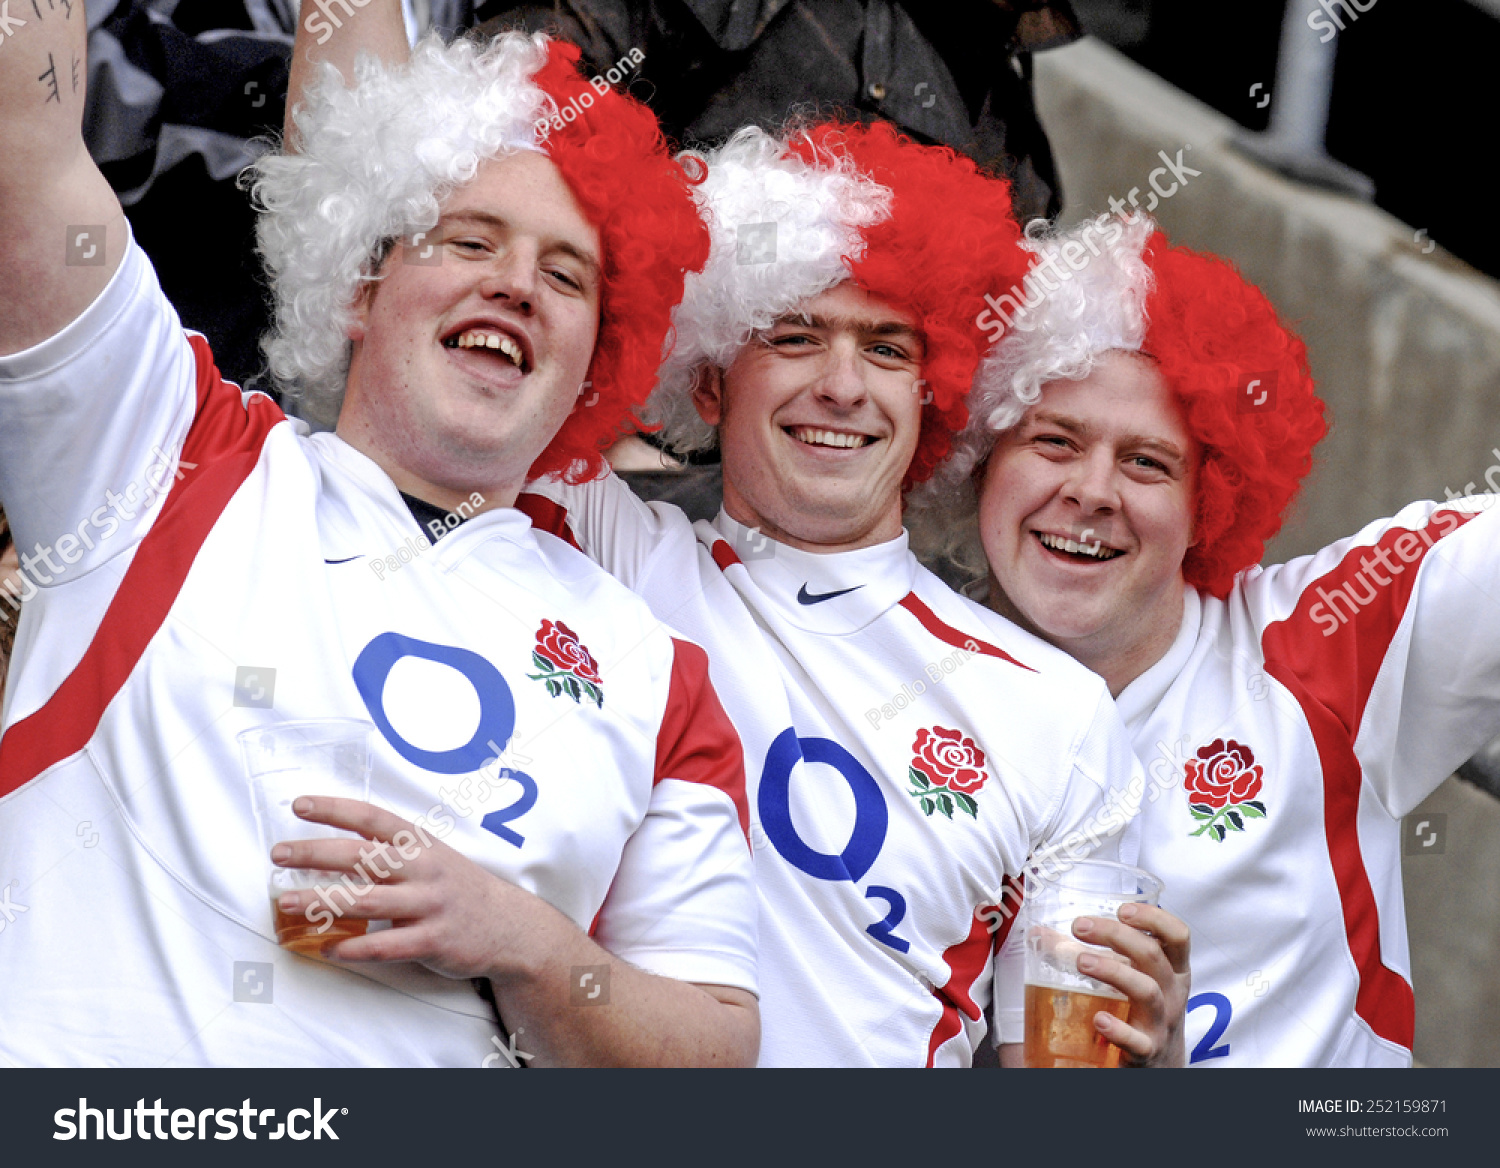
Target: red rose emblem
<point x="1224" y="773"/>
<point x="560" y="646"/>
<point x="949" y="759"/>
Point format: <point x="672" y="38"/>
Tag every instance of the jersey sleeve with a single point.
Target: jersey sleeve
<point x="1099" y="800"/>
<point x="91" y="424"/>
<point x="683" y="902"/>
<point x="1010" y="990"/>
<point x="1095" y="818"/>
<point x="604" y="520"/>
<point x="1390" y="640"/>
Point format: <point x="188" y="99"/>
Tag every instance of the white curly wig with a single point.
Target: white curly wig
<point x="783" y="231"/>
<point x="376" y="159"/>
<point x="1098" y="304"/>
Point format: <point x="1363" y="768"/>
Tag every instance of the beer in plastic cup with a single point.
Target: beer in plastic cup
<point x="282" y="763"/>
<point x="1061" y="1001"/>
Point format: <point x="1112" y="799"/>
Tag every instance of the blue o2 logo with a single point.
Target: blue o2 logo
<point x="497" y="709"/>
<point x="497" y="718"/>
<point x="774" y="803"/>
<point x="871" y="821"/>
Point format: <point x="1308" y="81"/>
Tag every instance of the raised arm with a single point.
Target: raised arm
<point x="325" y="32"/>
<point x="62" y="233"/>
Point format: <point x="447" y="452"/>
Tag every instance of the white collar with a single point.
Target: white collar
<point x="1146" y="692"/>
<point x="378" y="497"/>
<point x="833" y="593"/>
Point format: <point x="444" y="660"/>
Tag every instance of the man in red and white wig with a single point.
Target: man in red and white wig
<point x="1135" y="438"/>
<point x="449" y="267"/>
<point x="906" y="749"/>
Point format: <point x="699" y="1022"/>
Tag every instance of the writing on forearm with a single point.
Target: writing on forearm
<point x="67" y="6"/>
<point x="49" y="82"/>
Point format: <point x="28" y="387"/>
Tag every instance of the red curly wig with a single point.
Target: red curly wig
<point x="1211" y="332"/>
<point x="611" y="154"/>
<point x="951" y="237"/>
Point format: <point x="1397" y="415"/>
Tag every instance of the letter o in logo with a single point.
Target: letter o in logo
<point x="871" y="818"/>
<point x="497" y="708"/>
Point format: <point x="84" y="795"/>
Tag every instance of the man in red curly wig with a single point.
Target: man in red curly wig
<point x="1136" y="439"/>
<point x="460" y="245"/>
<point x="826" y="349"/>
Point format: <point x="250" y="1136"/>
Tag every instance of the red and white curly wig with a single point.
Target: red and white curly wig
<point x="917" y="227"/>
<point x="377" y="159"/>
<point x="1209" y="331"/>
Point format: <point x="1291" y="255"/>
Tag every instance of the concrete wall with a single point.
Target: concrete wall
<point x="1405" y="345"/>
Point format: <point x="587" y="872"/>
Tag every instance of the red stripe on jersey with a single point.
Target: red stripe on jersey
<point x="1330" y="671"/>
<point x="966" y="961"/>
<point x="947" y="633"/>
<point x="222" y="447"/>
<point x="697" y="741"/>
<point x="1017" y="886"/>
<point x="723" y="555"/>
<point x="547" y="515"/>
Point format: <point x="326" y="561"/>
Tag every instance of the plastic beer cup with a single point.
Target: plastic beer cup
<point x="1060" y="1000"/>
<point x="282" y="763"/>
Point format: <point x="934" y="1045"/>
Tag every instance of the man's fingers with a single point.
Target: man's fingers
<point x="386" y="945"/>
<point x="350" y="814"/>
<point x="331" y="855"/>
<point x="1135" y="1045"/>
<point x="1171" y="932"/>
<point x="1143" y="950"/>
<point x="371" y="860"/>
<point x="1143" y="990"/>
<point x="371" y="902"/>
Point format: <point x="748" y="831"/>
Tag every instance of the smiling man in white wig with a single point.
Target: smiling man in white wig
<point x="449" y="270"/>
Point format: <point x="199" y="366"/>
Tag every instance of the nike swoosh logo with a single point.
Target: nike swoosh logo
<point x="345" y="560"/>
<point x="806" y="597"/>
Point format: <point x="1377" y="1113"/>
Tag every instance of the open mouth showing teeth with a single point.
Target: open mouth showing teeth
<point x="485" y="339"/>
<point x="1089" y="550"/>
<point x="834" y="438"/>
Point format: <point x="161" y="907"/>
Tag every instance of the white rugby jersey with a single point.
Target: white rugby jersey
<point x="277" y="577"/>
<point x="1286" y="733"/>
<point x="905" y="750"/>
